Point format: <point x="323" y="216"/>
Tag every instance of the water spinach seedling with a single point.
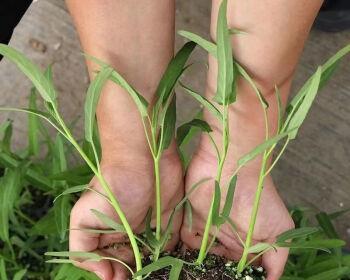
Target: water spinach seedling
<point x="159" y="126"/>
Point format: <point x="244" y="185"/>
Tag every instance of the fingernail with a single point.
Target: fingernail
<point x="100" y="275"/>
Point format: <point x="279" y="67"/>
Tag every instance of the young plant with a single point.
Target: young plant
<point x="159" y="127"/>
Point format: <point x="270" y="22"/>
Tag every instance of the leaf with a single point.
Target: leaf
<point x="332" y="274"/>
<point x="157" y="265"/>
<point x="108" y="221"/>
<point x="203" y="101"/>
<point x="184" y="129"/>
<point x="176" y="270"/>
<point x="138" y="99"/>
<point x="317" y="244"/>
<point x="299" y="115"/>
<point x="337" y="214"/>
<point x="259" y="247"/>
<point x="210" y="47"/>
<point x="168" y="125"/>
<point x="31" y="71"/>
<point x="20" y="274"/>
<point x="246" y="76"/>
<point x="216" y="205"/>
<point x="229" y="198"/>
<point x="3" y="275"/>
<point x="45" y="226"/>
<point x="226" y="93"/>
<point x="262" y="147"/>
<point x="148" y="230"/>
<point x="33" y="126"/>
<point x="72" y="190"/>
<point x="62" y="208"/>
<point x="92" y="98"/>
<point x="10" y="188"/>
<point x="75" y="255"/>
<point x="172" y="74"/>
<point x="296" y="233"/>
<point x="7" y="136"/>
<point x="279" y="108"/>
<point x="327" y="226"/>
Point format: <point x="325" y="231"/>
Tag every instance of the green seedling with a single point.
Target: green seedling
<point x="158" y="120"/>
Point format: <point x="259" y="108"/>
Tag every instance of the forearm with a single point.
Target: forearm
<point x="269" y="51"/>
<point x="137" y="39"/>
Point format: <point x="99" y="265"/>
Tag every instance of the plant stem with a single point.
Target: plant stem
<point x="158" y="199"/>
<point x="225" y="132"/>
<point x="105" y="186"/>
<point x="254" y="214"/>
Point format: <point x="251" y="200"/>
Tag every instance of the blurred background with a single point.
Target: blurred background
<point x="315" y="170"/>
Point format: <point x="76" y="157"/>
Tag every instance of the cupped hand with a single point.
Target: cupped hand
<point x="133" y="185"/>
<point x="273" y="217"/>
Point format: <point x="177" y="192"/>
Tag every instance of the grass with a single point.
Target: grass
<point x="26" y="176"/>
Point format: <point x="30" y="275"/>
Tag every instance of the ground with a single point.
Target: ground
<point x="315" y="170"/>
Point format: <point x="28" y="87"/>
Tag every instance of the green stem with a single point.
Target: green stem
<point x="158" y="199"/>
<point x="225" y="132"/>
<point x="105" y="186"/>
<point x="254" y="214"/>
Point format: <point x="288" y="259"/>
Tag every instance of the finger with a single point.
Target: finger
<point x="120" y="272"/>
<point x="87" y="242"/>
<point x="274" y="262"/>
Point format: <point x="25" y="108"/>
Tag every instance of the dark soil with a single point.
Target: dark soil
<point x="213" y="268"/>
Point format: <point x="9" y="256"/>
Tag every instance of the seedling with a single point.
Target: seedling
<point x="159" y="126"/>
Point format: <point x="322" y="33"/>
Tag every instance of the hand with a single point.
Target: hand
<point x="133" y="185"/>
<point x="273" y="217"/>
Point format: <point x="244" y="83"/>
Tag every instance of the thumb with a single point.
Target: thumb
<point x="274" y="262"/>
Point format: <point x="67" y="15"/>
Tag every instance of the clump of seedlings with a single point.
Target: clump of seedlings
<point x="159" y="125"/>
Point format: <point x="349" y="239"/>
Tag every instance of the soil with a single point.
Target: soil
<point x="213" y="268"/>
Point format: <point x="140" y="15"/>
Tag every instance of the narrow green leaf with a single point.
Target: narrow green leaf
<point x="299" y="115"/>
<point x="323" y="245"/>
<point x="176" y="270"/>
<point x="183" y="130"/>
<point x="91" y="101"/>
<point x="216" y="205"/>
<point x="226" y="93"/>
<point x="72" y="254"/>
<point x="33" y="126"/>
<point x="3" y="274"/>
<point x="235" y="31"/>
<point x="108" y="221"/>
<point x="172" y="74"/>
<point x="20" y="274"/>
<point x="246" y="76"/>
<point x="332" y="274"/>
<point x="327" y="226"/>
<point x="138" y="99"/>
<point x="259" y="247"/>
<point x="203" y="101"/>
<point x="262" y="147"/>
<point x="45" y="226"/>
<point x="31" y="71"/>
<point x="62" y="208"/>
<point x="279" y="108"/>
<point x="5" y="144"/>
<point x="229" y="198"/>
<point x="157" y="265"/>
<point x="296" y="233"/>
<point x="337" y="214"/>
<point x="152" y="241"/>
<point x="72" y="190"/>
<point x="208" y="46"/>
<point x="168" y="125"/>
<point x="10" y="188"/>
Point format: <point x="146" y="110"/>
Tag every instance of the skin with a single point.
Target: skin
<point x="122" y="33"/>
